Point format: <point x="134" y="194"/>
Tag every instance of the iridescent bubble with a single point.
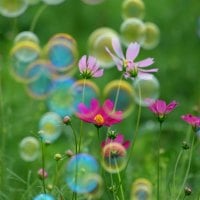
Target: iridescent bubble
<point x="149" y="87"/>
<point x="98" y="40"/>
<point x="53" y="2"/>
<point x="132" y="30"/>
<point x="79" y="168"/>
<point x="62" y="53"/>
<point x="61" y="98"/>
<point x="122" y="93"/>
<point x="92" y="2"/>
<point x="26" y="36"/>
<point x="29" y="149"/>
<point x="141" y="189"/>
<point x="84" y="90"/>
<point x="12" y="8"/>
<point x="39" y="74"/>
<point x="114" y="157"/>
<point x="50" y="126"/>
<point x="133" y="8"/>
<point x="32" y="2"/>
<point x="152" y="36"/>
<point x="44" y="197"/>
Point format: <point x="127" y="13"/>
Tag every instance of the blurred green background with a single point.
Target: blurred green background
<point x="177" y="56"/>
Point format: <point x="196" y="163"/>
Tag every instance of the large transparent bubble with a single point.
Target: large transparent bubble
<point x="132" y="30"/>
<point x="114" y="157"/>
<point x="152" y="36"/>
<point x="44" y="197"/>
<point x="122" y="93"/>
<point x="133" y="8"/>
<point x="12" y="8"/>
<point x="92" y="2"/>
<point x="141" y="189"/>
<point x="29" y="149"/>
<point x="148" y="86"/>
<point x="53" y="2"/>
<point x="61" y="99"/>
<point x="98" y="40"/>
<point x="50" y="126"/>
<point x="80" y="170"/>
<point x="26" y="36"/>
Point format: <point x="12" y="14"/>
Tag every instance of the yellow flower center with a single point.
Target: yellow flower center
<point x="125" y="63"/>
<point x="99" y="120"/>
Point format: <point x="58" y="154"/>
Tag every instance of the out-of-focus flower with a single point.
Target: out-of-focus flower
<point x="89" y="67"/>
<point x="160" y="108"/>
<point x="119" y="139"/>
<point x="192" y="120"/>
<point x="99" y="116"/>
<point x="42" y="174"/>
<point x="127" y="63"/>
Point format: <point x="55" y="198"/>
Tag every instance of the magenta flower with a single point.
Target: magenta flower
<point x="89" y="67"/>
<point x="192" y="120"/>
<point x="99" y="116"/>
<point x="160" y="108"/>
<point x="119" y="139"/>
<point x="126" y="63"/>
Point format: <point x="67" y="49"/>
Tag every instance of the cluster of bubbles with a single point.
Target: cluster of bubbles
<point x="82" y="175"/>
<point x="16" y="8"/>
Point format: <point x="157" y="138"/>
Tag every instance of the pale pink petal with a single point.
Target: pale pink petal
<point x="91" y="62"/>
<point x="145" y="62"/>
<point x="98" y="73"/>
<point x="117" y="48"/>
<point x="132" y="51"/>
<point x="82" y="63"/>
<point x="148" y="70"/>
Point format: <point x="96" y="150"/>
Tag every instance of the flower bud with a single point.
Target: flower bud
<point x="42" y="174"/>
<point x="188" y="191"/>
<point x="57" y="156"/>
<point x="185" y="145"/>
<point x="69" y="153"/>
<point x="67" y="120"/>
<point x="112" y="134"/>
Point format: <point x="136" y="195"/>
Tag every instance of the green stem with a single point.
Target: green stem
<point x="187" y="171"/>
<point x="36" y="17"/>
<point x="75" y="138"/>
<point x="43" y="166"/>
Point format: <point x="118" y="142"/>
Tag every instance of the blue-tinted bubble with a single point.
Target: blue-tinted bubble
<point x="39" y="74"/>
<point x="92" y="2"/>
<point x="122" y="93"/>
<point x="61" y="99"/>
<point x="26" y="36"/>
<point x="12" y="8"/>
<point x="53" y="2"/>
<point x="29" y="149"/>
<point x="79" y="168"/>
<point x="84" y="91"/>
<point x="50" y="126"/>
<point x="44" y="197"/>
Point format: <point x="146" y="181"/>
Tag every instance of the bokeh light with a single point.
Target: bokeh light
<point x="98" y="40"/>
<point x="53" y="2"/>
<point x="149" y="87"/>
<point x="29" y="149"/>
<point x="141" y="189"/>
<point x="121" y="92"/>
<point x="133" y="8"/>
<point x="152" y="36"/>
<point x="26" y="36"/>
<point x="12" y="8"/>
<point x="132" y="30"/>
<point x="60" y="99"/>
<point x="44" y="197"/>
<point x="79" y="170"/>
<point x="50" y="126"/>
<point x="114" y="157"/>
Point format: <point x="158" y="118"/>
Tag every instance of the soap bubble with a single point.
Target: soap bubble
<point x="12" y="8"/>
<point x="39" y="74"/>
<point x="114" y="157"/>
<point x="152" y="36"/>
<point x="141" y="189"/>
<point x="92" y="2"/>
<point x="53" y="2"/>
<point x="132" y="30"/>
<point x="125" y="100"/>
<point x="98" y="40"/>
<point x="80" y="169"/>
<point x="26" y="36"/>
<point x="61" y="99"/>
<point x="50" y="126"/>
<point x="149" y="87"/>
<point x="133" y="8"/>
<point x="44" y="197"/>
<point x="29" y="149"/>
<point x="89" y="88"/>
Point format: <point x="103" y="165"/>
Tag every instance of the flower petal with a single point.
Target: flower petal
<point x="119" y="139"/>
<point x="132" y="51"/>
<point x="171" y="106"/>
<point x="145" y="62"/>
<point x="82" y="63"/>
<point x="91" y="62"/>
<point x="117" y="48"/>
<point x="160" y="106"/>
<point x="98" y="73"/>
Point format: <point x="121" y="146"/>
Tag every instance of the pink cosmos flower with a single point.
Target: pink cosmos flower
<point x="126" y="63"/>
<point x="192" y="120"/>
<point x="119" y="139"/>
<point x="160" y="108"/>
<point x="99" y="116"/>
<point x="89" y="67"/>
